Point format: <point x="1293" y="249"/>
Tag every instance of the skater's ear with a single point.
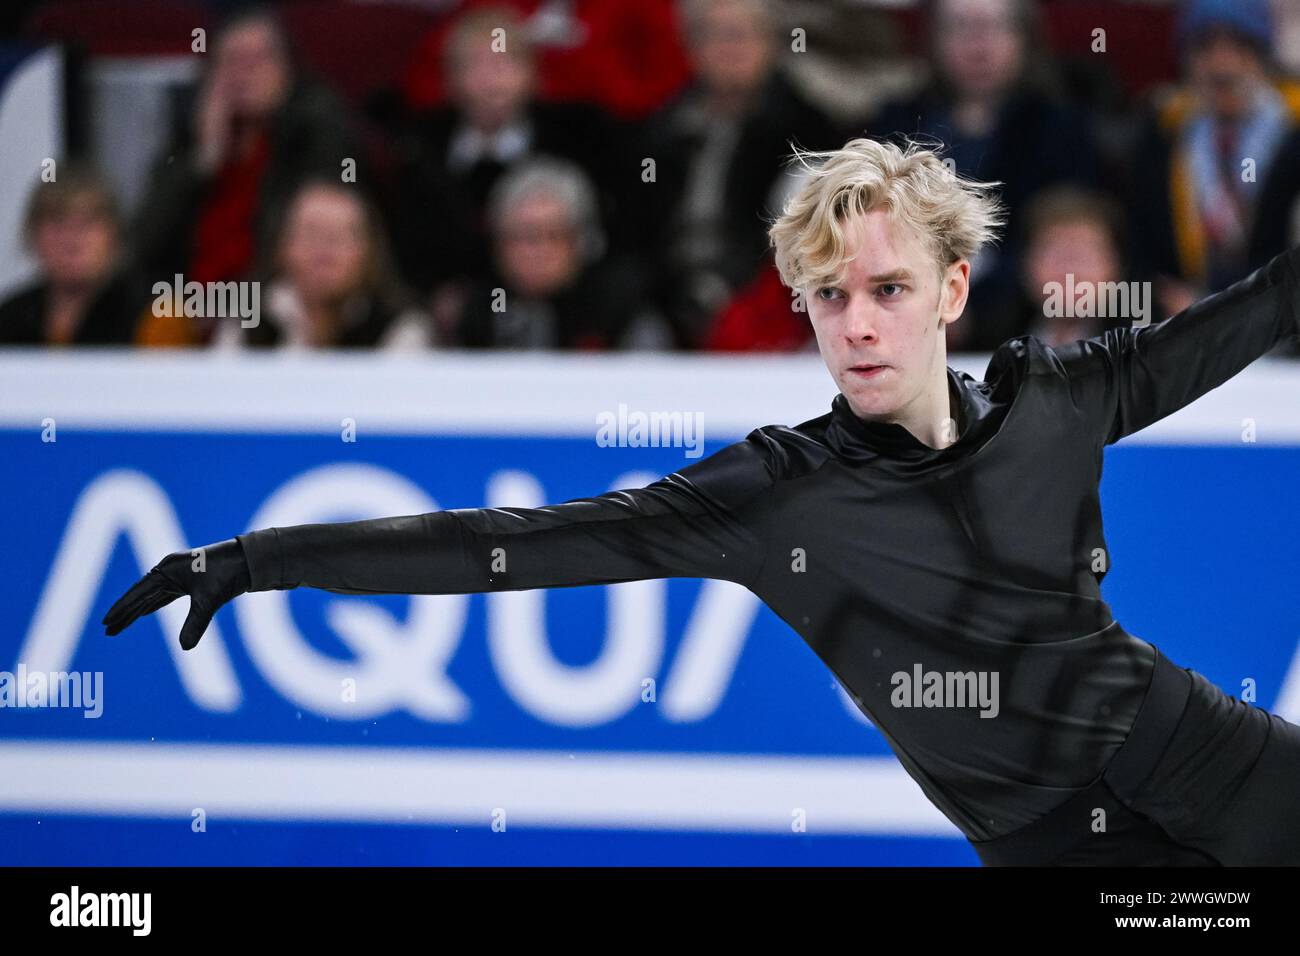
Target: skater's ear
<point x="954" y="288"/>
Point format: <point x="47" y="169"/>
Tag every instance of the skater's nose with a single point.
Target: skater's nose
<point x="861" y="320"/>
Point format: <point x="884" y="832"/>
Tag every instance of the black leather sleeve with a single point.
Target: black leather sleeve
<point x="1127" y="378"/>
<point x="703" y="521"/>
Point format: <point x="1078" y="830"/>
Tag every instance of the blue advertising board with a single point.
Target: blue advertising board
<point x="652" y="722"/>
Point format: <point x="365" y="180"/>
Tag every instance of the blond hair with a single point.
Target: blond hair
<point x="952" y="216"/>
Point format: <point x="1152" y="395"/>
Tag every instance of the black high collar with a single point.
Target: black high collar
<point x="857" y="439"/>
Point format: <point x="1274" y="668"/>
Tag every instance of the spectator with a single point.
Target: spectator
<point x="83" y="295"/>
<point x="624" y="56"/>
<point x="1286" y="14"/>
<point x="995" y="102"/>
<point x="551" y="288"/>
<point x="1073" y="242"/>
<point x="330" y="283"/>
<point x="454" y="154"/>
<point x="1277" y="212"/>
<point x="259" y="130"/>
<point x="719" y="151"/>
<point x="763" y="316"/>
<point x="1207" y="149"/>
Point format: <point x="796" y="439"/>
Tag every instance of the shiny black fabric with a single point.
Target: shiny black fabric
<point x="883" y="553"/>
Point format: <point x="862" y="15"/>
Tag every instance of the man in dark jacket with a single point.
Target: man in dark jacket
<point x="451" y="156"/>
<point x="718" y="150"/>
<point x="994" y="101"/>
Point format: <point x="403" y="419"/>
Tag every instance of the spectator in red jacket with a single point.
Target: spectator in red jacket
<point x="258" y="130"/>
<point x="625" y="56"/>
<point x="763" y="317"/>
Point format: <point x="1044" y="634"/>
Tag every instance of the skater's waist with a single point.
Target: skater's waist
<point x="1120" y="780"/>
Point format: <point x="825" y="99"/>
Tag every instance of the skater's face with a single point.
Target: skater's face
<point x="881" y="331"/>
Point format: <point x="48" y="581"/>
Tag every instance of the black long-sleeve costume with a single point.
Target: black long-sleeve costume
<point x="884" y="553"/>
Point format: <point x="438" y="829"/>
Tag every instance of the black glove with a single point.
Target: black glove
<point x="224" y="576"/>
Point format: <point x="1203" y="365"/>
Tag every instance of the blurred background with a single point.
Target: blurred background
<point x="384" y="175"/>
<point x="525" y="169"/>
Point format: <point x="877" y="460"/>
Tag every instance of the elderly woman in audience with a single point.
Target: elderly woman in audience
<point x="552" y="285"/>
<point x="82" y="294"/>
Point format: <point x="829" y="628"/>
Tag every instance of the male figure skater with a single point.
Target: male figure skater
<point x="928" y="523"/>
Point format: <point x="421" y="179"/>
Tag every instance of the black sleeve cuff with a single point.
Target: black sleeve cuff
<point x="265" y="559"/>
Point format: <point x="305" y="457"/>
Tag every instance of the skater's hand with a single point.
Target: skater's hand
<point x="224" y="576"/>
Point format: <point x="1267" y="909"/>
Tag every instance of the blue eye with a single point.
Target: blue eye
<point x="893" y="285"/>
<point x="825" y="289"/>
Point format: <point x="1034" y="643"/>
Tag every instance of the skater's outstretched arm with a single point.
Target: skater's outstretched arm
<point x="702" y="521"/>
<point x="1127" y="378"/>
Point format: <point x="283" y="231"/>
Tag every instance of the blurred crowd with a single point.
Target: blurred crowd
<point x="554" y="174"/>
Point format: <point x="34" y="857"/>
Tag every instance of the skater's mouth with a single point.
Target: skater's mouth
<point x="867" y="371"/>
